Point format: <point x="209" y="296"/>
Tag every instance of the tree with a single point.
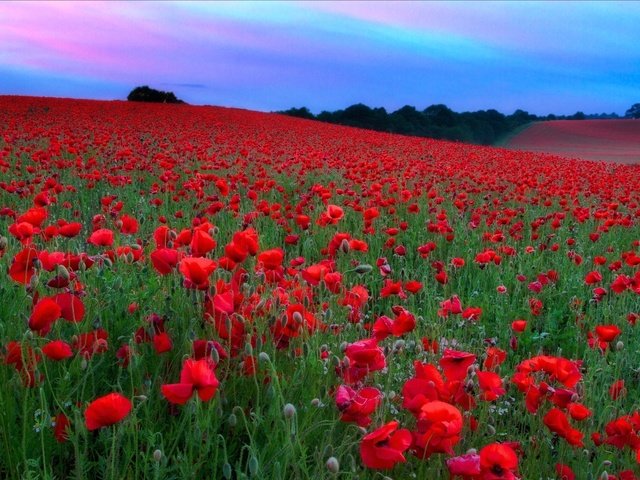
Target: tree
<point x="302" y="112"/>
<point x="633" y="112"/>
<point x="147" y="94"/>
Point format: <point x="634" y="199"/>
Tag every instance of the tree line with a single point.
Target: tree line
<point x="485" y="127"/>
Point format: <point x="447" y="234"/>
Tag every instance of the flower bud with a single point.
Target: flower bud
<point x="264" y="357"/>
<point x="157" y="455"/>
<point x="289" y="411"/>
<point x="333" y="465"/>
<point x="363" y="268"/>
<point x="253" y="466"/>
<point x="226" y="470"/>
<point x="232" y="420"/>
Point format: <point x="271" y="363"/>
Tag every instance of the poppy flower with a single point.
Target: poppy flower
<point x="357" y="405"/>
<point x="22" y="268"/>
<point x="456" y="363"/>
<point x="498" y="461"/>
<point x="57" y="350"/>
<point x="45" y="312"/>
<point x="438" y="429"/>
<point x="196" y="271"/>
<point x="452" y="305"/>
<point x="556" y="420"/>
<point x="519" y="326"/>
<point x="383" y="448"/>
<point x="565" y="472"/>
<point x="71" y="307"/>
<point x="196" y="376"/>
<point x="201" y="243"/>
<point x="466" y="466"/>
<point x="164" y="260"/>
<point x="61" y="428"/>
<point x="425" y="386"/>
<point x="491" y="385"/>
<point x="102" y="237"/>
<point x="106" y="411"/>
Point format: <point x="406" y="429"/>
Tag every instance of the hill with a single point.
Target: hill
<point x="606" y="140"/>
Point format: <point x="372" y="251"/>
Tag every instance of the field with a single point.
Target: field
<point x="603" y="140"/>
<point x="200" y="292"/>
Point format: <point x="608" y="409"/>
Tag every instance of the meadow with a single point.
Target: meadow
<point x="202" y="292"/>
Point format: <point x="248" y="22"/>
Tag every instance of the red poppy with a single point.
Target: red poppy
<point x="201" y="243"/>
<point x="57" y="350"/>
<point x="456" y="363"/>
<point x="22" y="268"/>
<point x="61" y="428"/>
<point x="102" y="237"/>
<point x="106" y="411"/>
<point x="196" y="375"/>
<point x="383" y="448"/>
<point x="45" y="312"/>
<point x="357" y="405"/>
<point x="564" y="472"/>
<point x="556" y="420"/>
<point x="498" y="461"/>
<point x="71" y="307"/>
<point x="438" y="429"/>
<point x="491" y="385"/>
<point x="196" y="271"/>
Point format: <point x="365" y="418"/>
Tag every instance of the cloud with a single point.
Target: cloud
<point x="325" y="55"/>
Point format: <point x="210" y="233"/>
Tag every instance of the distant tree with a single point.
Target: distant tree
<point x="441" y="115"/>
<point x="578" y="116"/>
<point x="633" y="112"/>
<point x="147" y="94"/>
<point x="302" y="112"/>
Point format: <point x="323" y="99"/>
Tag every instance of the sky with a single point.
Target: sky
<point x="543" y="57"/>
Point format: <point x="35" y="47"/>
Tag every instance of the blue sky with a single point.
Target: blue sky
<point x="544" y="57"/>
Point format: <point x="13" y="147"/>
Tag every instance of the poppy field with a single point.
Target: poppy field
<point x="612" y="140"/>
<point x="202" y="292"/>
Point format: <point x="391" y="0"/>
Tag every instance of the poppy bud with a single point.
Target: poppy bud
<point x="363" y="268"/>
<point x="344" y="246"/>
<point x="63" y="272"/>
<point x="333" y="465"/>
<point x="289" y="411"/>
<point x="398" y="345"/>
<point x="264" y="357"/>
<point x="226" y="470"/>
<point x="232" y="420"/>
<point x="297" y="317"/>
<point x="316" y="403"/>
<point x="157" y="455"/>
<point x="619" y="345"/>
<point x="3" y="243"/>
<point x="215" y="356"/>
<point x="33" y="282"/>
<point x="253" y="466"/>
